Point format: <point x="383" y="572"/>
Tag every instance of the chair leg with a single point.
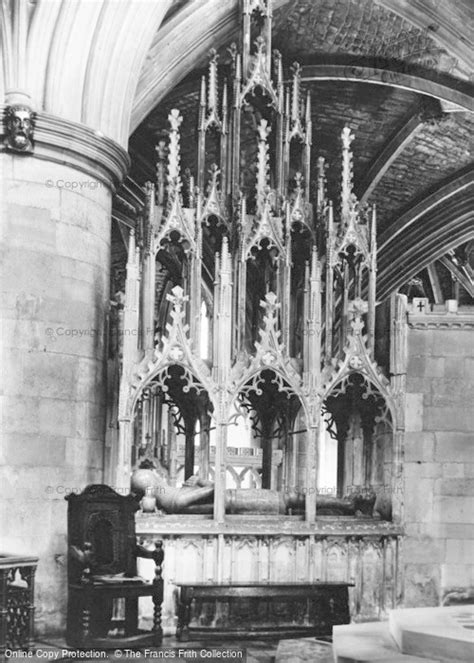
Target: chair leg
<point x="184" y="615"/>
<point x="131" y="616"/>
<point x="86" y="623"/>
<point x="157" y="630"/>
<point x="101" y="617"/>
<point x="157" y="598"/>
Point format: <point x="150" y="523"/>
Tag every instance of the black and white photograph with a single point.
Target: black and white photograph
<point x="237" y="331"/>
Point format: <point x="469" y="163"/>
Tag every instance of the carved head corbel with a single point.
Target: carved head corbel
<point x="19" y="124"/>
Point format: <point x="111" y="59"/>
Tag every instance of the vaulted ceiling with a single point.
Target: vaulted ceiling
<point x="397" y="73"/>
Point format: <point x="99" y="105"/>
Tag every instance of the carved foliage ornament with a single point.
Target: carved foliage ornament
<point x="19" y="125"/>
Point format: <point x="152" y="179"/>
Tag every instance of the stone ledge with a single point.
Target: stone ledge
<point x="361" y="643"/>
<point x="463" y="319"/>
<point x="444" y="633"/>
<point x="147" y="524"/>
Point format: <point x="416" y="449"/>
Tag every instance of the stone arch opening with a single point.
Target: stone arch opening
<point x="358" y="418"/>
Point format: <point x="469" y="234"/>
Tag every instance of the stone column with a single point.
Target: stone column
<point x="55" y="263"/>
<point x="204" y="450"/>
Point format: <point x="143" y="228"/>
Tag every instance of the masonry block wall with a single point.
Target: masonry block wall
<point x="438" y="552"/>
<point x="55" y="292"/>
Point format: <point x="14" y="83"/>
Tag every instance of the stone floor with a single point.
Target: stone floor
<point x="412" y="635"/>
<point x="304" y="650"/>
<point x="253" y="651"/>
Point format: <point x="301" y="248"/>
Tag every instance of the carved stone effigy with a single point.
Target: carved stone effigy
<point x="196" y="496"/>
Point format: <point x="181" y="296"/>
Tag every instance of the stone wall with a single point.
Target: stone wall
<point x="438" y="551"/>
<point x="55" y="292"/>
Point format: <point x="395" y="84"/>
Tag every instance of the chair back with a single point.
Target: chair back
<point x="101" y="517"/>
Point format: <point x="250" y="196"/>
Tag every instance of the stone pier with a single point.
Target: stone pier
<point x="55" y="295"/>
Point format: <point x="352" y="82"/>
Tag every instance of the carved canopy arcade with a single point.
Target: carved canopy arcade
<point x="253" y="300"/>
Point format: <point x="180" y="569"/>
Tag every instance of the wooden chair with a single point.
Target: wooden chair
<point x="102" y="569"/>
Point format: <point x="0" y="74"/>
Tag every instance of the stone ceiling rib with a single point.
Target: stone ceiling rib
<point x="72" y="39"/>
<point x="455" y="92"/>
<point x="127" y="53"/>
<point x="454" y="186"/>
<point x="43" y="26"/>
<point x="13" y="44"/>
<point x="389" y="152"/>
<point x="437" y="233"/>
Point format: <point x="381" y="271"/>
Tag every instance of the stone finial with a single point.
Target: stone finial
<point x="160" y="171"/>
<point x="269" y="347"/>
<point x="262" y="161"/>
<point x="226" y="266"/>
<point x="347" y="196"/>
<point x="19" y="124"/>
<point x="174" y="157"/>
<point x="212" y="90"/>
<point x="356" y="309"/>
<point x="321" y="168"/>
<point x="214" y="172"/>
<point x="298" y="182"/>
<point x="177" y="298"/>
<point x="279" y="71"/>
<point x="295" y="105"/>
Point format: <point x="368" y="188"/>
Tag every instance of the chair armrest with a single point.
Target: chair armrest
<point x="82" y="559"/>
<point x="156" y="555"/>
<point x="83" y="556"/>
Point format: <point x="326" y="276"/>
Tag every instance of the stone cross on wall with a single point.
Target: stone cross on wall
<point x="420" y="305"/>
